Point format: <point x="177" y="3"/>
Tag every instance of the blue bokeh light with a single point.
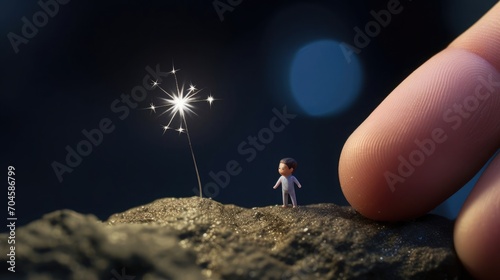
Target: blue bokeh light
<point x="322" y="80"/>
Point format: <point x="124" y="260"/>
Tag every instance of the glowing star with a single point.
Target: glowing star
<point x="210" y="99"/>
<point x="180" y="130"/>
<point x="179" y="103"/>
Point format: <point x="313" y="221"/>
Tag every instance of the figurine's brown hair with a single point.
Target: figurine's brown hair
<point x="290" y="162"/>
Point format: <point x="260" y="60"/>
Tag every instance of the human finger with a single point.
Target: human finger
<point x="432" y="133"/>
<point x="477" y="228"/>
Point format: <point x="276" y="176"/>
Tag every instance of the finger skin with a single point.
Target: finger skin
<point x="483" y="38"/>
<point x="431" y="134"/>
<point x="477" y="229"/>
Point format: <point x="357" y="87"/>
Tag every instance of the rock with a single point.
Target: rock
<point x="193" y="238"/>
<point x="68" y="245"/>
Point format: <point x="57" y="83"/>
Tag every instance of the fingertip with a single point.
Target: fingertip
<point x="355" y="169"/>
<point x="477" y="229"/>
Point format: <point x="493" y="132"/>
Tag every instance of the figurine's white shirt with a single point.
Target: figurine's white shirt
<point x="287" y="183"/>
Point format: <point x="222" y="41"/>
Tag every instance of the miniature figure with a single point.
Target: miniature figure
<point x="286" y="167"/>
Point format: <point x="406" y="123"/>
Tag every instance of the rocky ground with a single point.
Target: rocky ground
<point x="194" y="238"/>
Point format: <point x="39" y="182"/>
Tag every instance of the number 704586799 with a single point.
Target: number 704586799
<point x="11" y="190"/>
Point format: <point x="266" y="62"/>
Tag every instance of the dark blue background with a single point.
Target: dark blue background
<point x="66" y="77"/>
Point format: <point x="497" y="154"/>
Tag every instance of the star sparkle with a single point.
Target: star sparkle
<point x="179" y="104"/>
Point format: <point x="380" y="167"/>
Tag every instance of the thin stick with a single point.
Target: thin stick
<point x="194" y="159"/>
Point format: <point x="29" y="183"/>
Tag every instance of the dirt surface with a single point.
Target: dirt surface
<point x="193" y="238"/>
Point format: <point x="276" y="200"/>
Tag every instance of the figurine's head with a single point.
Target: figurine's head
<point x="287" y="166"/>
